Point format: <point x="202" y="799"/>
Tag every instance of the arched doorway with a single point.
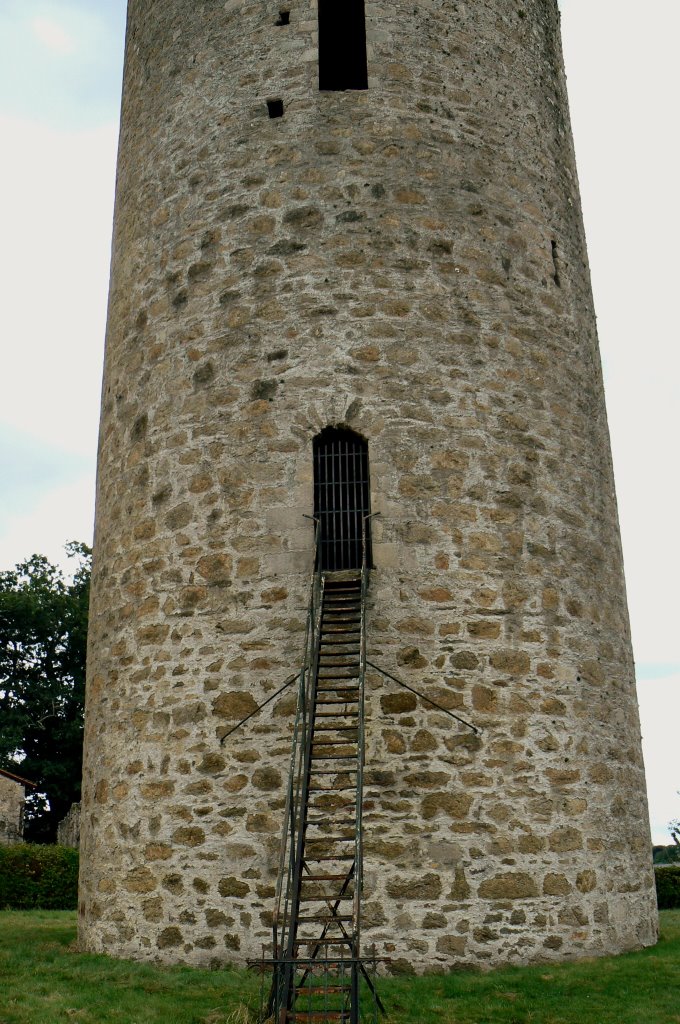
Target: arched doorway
<point x="342" y="498"/>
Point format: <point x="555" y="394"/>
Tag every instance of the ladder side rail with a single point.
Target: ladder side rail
<point x="301" y="806"/>
<point x="288" y="830"/>
<point x="297" y="817"/>
<point x="361" y="754"/>
<point x="299" y="730"/>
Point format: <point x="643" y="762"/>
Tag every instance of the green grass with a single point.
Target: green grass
<point x="42" y="981"/>
<point x="636" y="988"/>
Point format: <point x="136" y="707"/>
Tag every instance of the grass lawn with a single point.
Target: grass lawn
<point x="43" y="982"/>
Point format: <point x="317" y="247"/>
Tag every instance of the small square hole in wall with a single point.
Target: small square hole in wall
<point x="283" y="18"/>
<point x="275" y="108"/>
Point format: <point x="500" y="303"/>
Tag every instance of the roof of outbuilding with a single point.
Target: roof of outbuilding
<point x="17" y="778"/>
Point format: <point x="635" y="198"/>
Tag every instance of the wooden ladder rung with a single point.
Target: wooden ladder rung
<point x="330" y="839"/>
<point x="347" y="823"/>
<point x="330" y="856"/>
<point x="327" y="898"/>
<point x="325" y="918"/>
<point x="315" y="1017"/>
<point x="335" y="728"/>
<point x="334" y="757"/>
<point x="337" y="714"/>
<point x="321" y="990"/>
<point x="332" y="742"/>
<point x="335" y="941"/>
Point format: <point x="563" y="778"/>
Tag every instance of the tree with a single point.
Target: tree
<point x="674" y="829"/>
<point x="43" y="637"/>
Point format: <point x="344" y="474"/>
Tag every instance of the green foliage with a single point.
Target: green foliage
<point x="667" y="887"/>
<point x="674" y="829"/>
<point x="666" y="854"/>
<point x="43" y="637"/>
<point x="44" y="877"/>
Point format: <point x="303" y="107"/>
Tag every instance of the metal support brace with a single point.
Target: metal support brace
<point x="423" y="697"/>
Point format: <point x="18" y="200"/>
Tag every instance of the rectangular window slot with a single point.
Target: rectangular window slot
<point x="284" y="18"/>
<point x="556" y="264"/>
<point x="342" y="45"/>
<point x="275" y="108"/>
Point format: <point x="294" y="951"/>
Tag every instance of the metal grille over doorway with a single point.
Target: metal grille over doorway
<point x="342" y="498"/>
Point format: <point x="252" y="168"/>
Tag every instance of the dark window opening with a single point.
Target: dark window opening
<point x="556" y="264"/>
<point x="284" y="18"/>
<point x="342" y="45"/>
<point x="275" y="108"/>
<point x="342" y="499"/>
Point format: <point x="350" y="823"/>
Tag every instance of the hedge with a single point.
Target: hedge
<point x="667" y="880"/>
<point x="38" y="877"/>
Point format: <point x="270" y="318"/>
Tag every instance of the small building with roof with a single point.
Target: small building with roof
<point x="12" y="798"/>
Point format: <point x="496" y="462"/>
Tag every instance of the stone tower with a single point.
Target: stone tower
<point x="399" y="254"/>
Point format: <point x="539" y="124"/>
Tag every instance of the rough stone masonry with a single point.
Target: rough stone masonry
<point x="406" y="260"/>
<point x="12" y="798"/>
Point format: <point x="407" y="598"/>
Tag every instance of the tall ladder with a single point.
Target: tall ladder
<point x="317" y="921"/>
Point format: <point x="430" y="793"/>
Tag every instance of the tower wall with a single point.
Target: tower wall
<point x="407" y="261"/>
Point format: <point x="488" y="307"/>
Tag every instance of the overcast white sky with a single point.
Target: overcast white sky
<point x="60" y="69"/>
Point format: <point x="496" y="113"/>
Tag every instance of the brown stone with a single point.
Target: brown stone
<point x="454" y="805"/>
<point x="464" y="660"/>
<point x="562" y="776"/>
<point x="216" y="569"/>
<point x="188" y="836"/>
<point x="157" y="851"/>
<point x="398" y="703"/>
<point x="152" y="909"/>
<point x="233" y="887"/>
<point x="556" y="885"/>
<point x="451" y="945"/>
<point x="531" y="844"/>
<point x="386" y="849"/>
<point x="423" y="741"/>
<point x="303" y="218"/>
<point x="484" y="698"/>
<point x="461" y="888"/>
<point x="236" y="783"/>
<point x="180" y="516"/>
<point x="565" y="839"/>
<point x="140" y="880"/>
<point x="155" y="634"/>
<point x="373" y="914"/>
<point x="394" y="741"/>
<point x="216" y="918"/>
<point x="416" y="625"/>
<point x="573" y="916"/>
<point x="169" y="938"/>
<point x="427" y="780"/>
<point x="586" y="881"/>
<point x="514" y="885"/>
<point x="421" y="887"/>
<point x="262" y="823"/>
<point x="173" y="883"/>
<point x="410" y="657"/>
<point x="267" y="779"/>
<point x="515" y="663"/>
<point x="434" y="921"/>
<point x="485" y="629"/>
<point x="211" y="764"/>
<point x="437" y="595"/>
<point x="235" y="704"/>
